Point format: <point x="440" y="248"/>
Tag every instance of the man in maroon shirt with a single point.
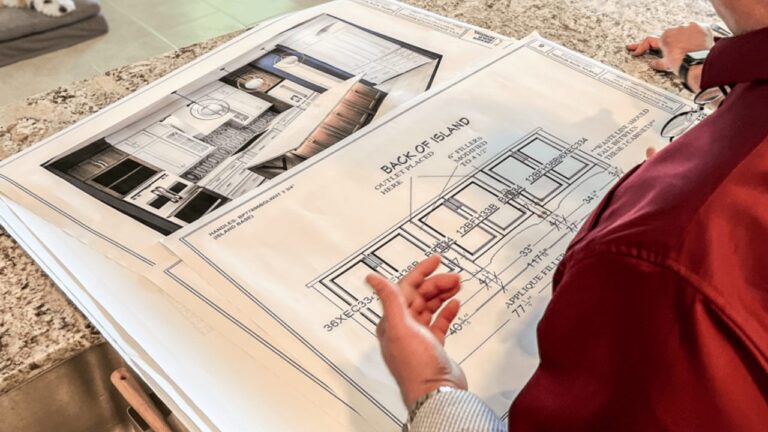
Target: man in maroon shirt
<point x="659" y="316"/>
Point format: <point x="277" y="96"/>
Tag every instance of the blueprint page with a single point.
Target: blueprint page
<point x="495" y="171"/>
<point x="189" y="143"/>
<point x="153" y="331"/>
<point x="199" y="138"/>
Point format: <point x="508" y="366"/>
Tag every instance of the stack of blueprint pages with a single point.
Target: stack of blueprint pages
<point x="217" y="225"/>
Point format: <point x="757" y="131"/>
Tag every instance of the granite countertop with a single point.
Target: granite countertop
<point x="39" y="327"/>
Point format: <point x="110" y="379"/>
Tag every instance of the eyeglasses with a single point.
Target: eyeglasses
<point x="683" y="121"/>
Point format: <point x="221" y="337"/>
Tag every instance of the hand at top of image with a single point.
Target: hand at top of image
<point x="674" y="44"/>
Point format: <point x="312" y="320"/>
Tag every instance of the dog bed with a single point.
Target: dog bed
<point x="25" y="33"/>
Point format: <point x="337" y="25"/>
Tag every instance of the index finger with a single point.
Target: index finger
<point x="392" y="300"/>
<point x="644" y="46"/>
<point x="421" y="271"/>
<point x="443" y="286"/>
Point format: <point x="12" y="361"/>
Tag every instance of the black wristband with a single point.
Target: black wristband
<point x="691" y="59"/>
<point x="683" y="74"/>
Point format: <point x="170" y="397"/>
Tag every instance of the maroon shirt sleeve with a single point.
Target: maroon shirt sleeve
<point x="627" y="345"/>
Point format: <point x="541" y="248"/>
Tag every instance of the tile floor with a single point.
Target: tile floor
<point x="138" y="29"/>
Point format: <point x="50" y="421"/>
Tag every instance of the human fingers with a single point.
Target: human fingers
<point x="650" y="43"/>
<point x="650" y="152"/>
<point x="444" y="319"/>
<point x="431" y="294"/>
<point x="439" y="285"/>
<point x="441" y="289"/>
<point x="411" y="281"/>
<point x="661" y="65"/>
<point x="644" y="46"/>
<point x="421" y="271"/>
<point x="641" y="48"/>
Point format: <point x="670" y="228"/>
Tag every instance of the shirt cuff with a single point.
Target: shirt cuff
<point x="456" y="411"/>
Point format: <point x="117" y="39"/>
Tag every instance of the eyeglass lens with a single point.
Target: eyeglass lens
<point x="708" y="96"/>
<point x="678" y="124"/>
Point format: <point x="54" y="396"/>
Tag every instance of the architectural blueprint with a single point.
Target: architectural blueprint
<point x="479" y="224"/>
<point x="495" y="171"/>
<point x="240" y="116"/>
<point x="169" y="168"/>
<point x="195" y="141"/>
<point x="198" y="138"/>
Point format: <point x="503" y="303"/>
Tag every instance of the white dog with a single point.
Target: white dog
<point x="46" y="7"/>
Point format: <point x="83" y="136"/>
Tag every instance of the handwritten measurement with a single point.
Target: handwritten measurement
<point x="590" y="198"/>
<point x="460" y="324"/>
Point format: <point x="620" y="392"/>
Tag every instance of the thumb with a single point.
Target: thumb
<point x="660" y="65"/>
<point x="444" y="319"/>
<point x="392" y="299"/>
